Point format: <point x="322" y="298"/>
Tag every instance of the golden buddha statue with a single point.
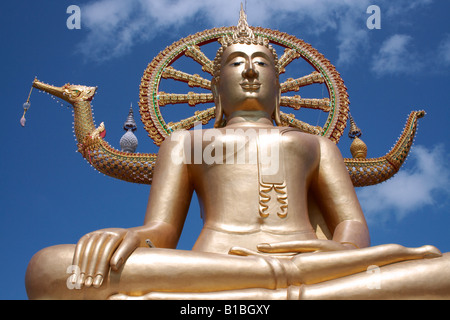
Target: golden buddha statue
<point x="256" y="183"/>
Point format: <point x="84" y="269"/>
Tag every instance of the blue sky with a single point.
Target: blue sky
<point x="50" y="195"/>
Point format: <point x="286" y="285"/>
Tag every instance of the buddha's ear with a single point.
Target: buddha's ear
<point x="276" y="113"/>
<point x="219" y="111"/>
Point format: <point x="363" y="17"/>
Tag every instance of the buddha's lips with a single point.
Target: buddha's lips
<point x="250" y="86"/>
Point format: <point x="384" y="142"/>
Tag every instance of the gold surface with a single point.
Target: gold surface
<point x="281" y="217"/>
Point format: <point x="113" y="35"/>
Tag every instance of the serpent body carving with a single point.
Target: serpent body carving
<point x="138" y="167"/>
<point x="131" y="167"/>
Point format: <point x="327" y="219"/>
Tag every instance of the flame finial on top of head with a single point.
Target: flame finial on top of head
<point x="242" y="34"/>
<point x="243" y="29"/>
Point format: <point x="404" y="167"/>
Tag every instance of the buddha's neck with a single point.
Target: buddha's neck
<point x="249" y="118"/>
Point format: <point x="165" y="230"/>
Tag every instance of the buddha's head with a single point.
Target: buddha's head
<point x="246" y="76"/>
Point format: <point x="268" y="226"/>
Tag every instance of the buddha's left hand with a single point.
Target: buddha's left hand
<point x="292" y="247"/>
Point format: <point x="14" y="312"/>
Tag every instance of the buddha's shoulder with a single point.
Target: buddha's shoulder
<point x="295" y="138"/>
<point x="288" y="134"/>
<point x="294" y="134"/>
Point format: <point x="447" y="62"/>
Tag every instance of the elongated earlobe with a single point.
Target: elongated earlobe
<point x="276" y="113"/>
<point x="219" y="116"/>
<point x="219" y="111"/>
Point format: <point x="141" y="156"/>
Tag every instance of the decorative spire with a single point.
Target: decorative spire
<point x="354" y="130"/>
<point x="243" y="33"/>
<point x="358" y="148"/>
<point x="129" y="142"/>
<point x="130" y="123"/>
<point x="243" y="29"/>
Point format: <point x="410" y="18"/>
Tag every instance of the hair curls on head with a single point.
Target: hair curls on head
<point x="228" y="41"/>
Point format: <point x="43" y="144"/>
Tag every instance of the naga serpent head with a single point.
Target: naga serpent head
<point x="68" y="92"/>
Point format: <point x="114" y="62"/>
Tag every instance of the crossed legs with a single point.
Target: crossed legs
<point x="175" y="274"/>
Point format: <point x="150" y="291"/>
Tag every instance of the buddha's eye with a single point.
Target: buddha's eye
<point x="260" y="63"/>
<point x="237" y="63"/>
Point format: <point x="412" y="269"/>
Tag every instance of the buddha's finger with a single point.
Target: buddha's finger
<point x="428" y="252"/>
<point x="130" y="242"/>
<point x="102" y="266"/>
<point x="77" y="275"/>
<point x="86" y="256"/>
<point x="94" y="259"/>
<point x="284" y="247"/>
<point x="239" y="251"/>
<point x="79" y="249"/>
<point x="300" y="246"/>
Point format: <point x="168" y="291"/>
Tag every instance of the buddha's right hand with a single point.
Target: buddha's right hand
<point x="97" y="251"/>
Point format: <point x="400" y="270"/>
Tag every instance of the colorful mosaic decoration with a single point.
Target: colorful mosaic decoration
<point x="138" y="167"/>
<point x="151" y="99"/>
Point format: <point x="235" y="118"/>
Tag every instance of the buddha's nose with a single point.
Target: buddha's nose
<point x="250" y="73"/>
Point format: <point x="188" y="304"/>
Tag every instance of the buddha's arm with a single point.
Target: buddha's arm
<point x="170" y="197"/>
<point x="169" y="201"/>
<point x="337" y="199"/>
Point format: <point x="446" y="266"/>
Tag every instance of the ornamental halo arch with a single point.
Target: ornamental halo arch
<point x="138" y="167"/>
<point x="151" y="99"/>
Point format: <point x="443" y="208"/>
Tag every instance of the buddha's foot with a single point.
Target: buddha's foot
<point x="429" y="252"/>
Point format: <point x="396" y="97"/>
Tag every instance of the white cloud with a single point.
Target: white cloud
<point x="444" y="51"/>
<point x="115" y="26"/>
<point x="402" y="6"/>
<point x="396" y="56"/>
<point x="352" y="39"/>
<point x="410" y="190"/>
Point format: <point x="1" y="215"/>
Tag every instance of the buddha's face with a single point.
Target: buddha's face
<point x="248" y="80"/>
